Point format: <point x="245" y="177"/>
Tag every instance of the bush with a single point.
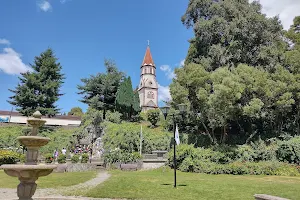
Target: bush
<point x="114" y="117"/>
<point x="143" y="116"/>
<point x="120" y="156"/>
<point x="22" y="158"/>
<point x="61" y="159"/>
<point x="153" y="116"/>
<point x="289" y="151"/>
<point x="49" y="158"/>
<point x="8" y="157"/>
<point x="75" y="159"/>
<point x="240" y="168"/>
<point x="60" y="138"/>
<point x="84" y="158"/>
<point x="126" y="136"/>
<point x="8" y="136"/>
<point x="186" y="151"/>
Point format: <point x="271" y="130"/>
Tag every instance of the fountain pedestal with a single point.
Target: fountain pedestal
<point x="31" y="171"/>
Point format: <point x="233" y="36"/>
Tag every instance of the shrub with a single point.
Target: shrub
<point x="256" y="152"/>
<point x="61" y="159"/>
<point x="185" y="151"/>
<point x="126" y="136"/>
<point x="130" y="157"/>
<point x="84" y="158"/>
<point x="118" y="155"/>
<point x="75" y="159"/>
<point x="8" y="136"/>
<point x="49" y="158"/>
<point x="114" y="117"/>
<point x="263" y="152"/>
<point x="60" y="138"/>
<point x="8" y="157"/>
<point x="239" y="168"/>
<point x="143" y="116"/>
<point x="22" y="158"/>
<point x="289" y="151"/>
<point x="153" y="116"/>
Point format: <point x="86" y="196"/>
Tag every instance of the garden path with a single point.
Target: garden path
<point x="8" y="193"/>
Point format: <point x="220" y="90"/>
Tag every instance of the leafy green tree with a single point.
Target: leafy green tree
<point x="293" y="62"/>
<point x="241" y="75"/>
<point x="238" y="104"/>
<point x="39" y="89"/>
<point x="230" y="32"/>
<point x="100" y="91"/>
<point x="153" y="116"/>
<point x="76" y="111"/>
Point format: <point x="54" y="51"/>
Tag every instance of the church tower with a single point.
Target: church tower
<point x="148" y="87"/>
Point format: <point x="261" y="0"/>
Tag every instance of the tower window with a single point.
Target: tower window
<point x="150" y="95"/>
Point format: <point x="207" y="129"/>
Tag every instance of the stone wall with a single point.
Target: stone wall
<point x="75" y="167"/>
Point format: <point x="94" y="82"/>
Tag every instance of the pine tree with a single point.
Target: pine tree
<point x="124" y="99"/>
<point x="39" y="88"/>
<point x="100" y="91"/>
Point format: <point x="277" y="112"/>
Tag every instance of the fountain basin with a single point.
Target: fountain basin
<point x="36" y="122"/>
<point x="33" y="141"/>
<point x="28" y="171"/>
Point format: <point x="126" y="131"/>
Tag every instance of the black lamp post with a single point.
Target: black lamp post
<point x="165" y="110"/>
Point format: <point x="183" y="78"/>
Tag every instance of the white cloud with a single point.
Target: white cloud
<point x="4" y="41"/>
<point x="11" y="62"/>
<point x="169" y="72"/>
<point x="64" y="1"/>
<point x="164" y="93"/>
<point x="182" y="63"/>
<point x="286" y="9"/>
<point x="44" y="5"/>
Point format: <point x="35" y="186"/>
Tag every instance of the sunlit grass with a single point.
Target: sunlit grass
<point x="54" y="180"/>
<point x="157" y="184"/>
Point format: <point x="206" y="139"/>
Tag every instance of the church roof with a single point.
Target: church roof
<point x="148" y="57"/>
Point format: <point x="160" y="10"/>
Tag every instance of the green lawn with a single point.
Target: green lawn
<point x="157" y="184"/>
<point x="54" y="180"/>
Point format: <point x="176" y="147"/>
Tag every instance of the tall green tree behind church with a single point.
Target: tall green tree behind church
<point x="126" y="101"/>
<point x="39" y="89"/>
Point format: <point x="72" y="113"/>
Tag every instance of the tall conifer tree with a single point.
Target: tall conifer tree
<point x="38" y="89"/>
<point x="126" y="100"/>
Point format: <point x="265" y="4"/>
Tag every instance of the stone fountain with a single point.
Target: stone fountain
<point x="31" y="170"/>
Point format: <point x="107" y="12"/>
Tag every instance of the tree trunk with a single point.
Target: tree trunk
<point x="104" y="113"/>
<point x="207" y="132"/>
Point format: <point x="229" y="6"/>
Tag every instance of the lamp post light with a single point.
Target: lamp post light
<point x="165" y="110"/>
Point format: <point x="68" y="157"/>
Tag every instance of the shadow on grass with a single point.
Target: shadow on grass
<point x="179" y="185"/>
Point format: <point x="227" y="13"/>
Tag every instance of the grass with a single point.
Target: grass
<point x="157" y="184"/>
<point x="54" y="180"/>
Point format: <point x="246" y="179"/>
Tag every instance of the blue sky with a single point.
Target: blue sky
<point x="82" y="33"/>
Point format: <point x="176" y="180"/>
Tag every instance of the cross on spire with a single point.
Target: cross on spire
<point x="148" y="42"/>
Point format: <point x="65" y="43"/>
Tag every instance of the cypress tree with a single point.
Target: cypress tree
<point x="136" y="102"/>
<point x="125" y="98"/>
<point x="39" y="88"/>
